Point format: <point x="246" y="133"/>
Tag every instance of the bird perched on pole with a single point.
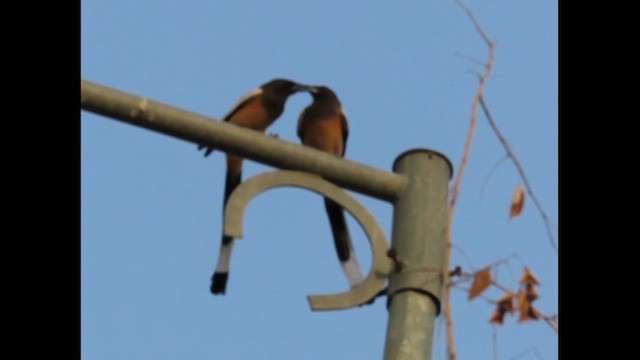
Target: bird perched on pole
<point x="323" y="125"/>
<point x="256" y="110"/>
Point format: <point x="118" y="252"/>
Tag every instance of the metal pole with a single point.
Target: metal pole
<point x="254" y="145"/>
<point x="418" y="190"/>
<point x="418" y="243"/>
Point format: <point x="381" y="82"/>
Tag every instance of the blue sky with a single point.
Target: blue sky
<point x="151" y="204"/>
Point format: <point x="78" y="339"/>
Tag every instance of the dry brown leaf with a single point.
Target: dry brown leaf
<point x="524" y="316"/>
<point x="506" y="302"/>
<point x="527" y="311"/>
<point x="535" y="313"/>
<point x="497" y="317"/>
<point x="523" y="307"/>
<point x="530" y="314"/>
<point x="531" y="293"/>
<point x="522" y="299"/>
<point x="481" y="281"/>
<point x="517" y="203"/>
<point x="504" y="306"/>
<point x="528" y="278"/>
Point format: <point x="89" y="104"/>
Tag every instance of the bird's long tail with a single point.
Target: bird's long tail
<point x="207" y="151"/>
<point x="221" y="274"/>
<point x="342" y="241"/>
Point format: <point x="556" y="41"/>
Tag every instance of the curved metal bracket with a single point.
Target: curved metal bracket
<point x="381" y="266"/>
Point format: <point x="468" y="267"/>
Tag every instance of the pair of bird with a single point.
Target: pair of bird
<point x="322" y="125"/>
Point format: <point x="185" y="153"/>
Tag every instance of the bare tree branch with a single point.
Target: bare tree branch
<point x="520" y="355"/>
<point x="495" y="343"/>
<point x="465" y="256"/>
<point x="552" y="321"/>
<point x="500" y="286"/>
<point x="547" y="221"/>
<point x="470" y="58"/>
<point x="479" y="29"/>
<point x="537" y="353"/>
<point x="491" y="171"/>
<point x="451" y="347"/>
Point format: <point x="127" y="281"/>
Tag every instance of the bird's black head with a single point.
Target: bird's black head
<point x="283" y="87"/>
<point x="323" y="93"/>
<point x="276" y="92"/>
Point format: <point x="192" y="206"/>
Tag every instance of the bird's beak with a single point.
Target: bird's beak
<point x="307" y="88"/>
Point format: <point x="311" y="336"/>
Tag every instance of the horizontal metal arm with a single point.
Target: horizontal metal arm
<point x="254" y="145"/>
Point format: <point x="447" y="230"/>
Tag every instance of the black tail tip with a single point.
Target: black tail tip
<point x="207" y="150"/>
<point x="219" y="283"/>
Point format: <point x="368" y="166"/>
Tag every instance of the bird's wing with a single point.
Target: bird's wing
<point x="299" y="131"/>
<point x="345" y="130"/>
<point x="242" y="102"/>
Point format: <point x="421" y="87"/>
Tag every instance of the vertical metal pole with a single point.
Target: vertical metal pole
<point x="418" y="240"/>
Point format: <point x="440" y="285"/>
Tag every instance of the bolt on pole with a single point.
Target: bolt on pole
<point x="418" y="243"/>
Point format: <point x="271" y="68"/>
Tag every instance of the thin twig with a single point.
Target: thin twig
<point x="537" y="353"/>
<point x="479" y="29"/>
<point x="465" y="256"/>
<point x="525" y="352"/>
<point x="501" y="287"/>
<point x="493" y="168"/>
<point x="504" y="260"/>
<point x="487" y="299"/>
<point x="514" y="280"/>
<point x="552" y="321"/>
<point x="451" y="347"/>
<point x="547" y="222"/>
<point x="464" y="278"/>
<point x="470" y="58"/>
<point x="495" y="342"/>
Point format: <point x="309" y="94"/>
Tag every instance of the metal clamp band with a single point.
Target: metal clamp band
<point x="381" y="265"/>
